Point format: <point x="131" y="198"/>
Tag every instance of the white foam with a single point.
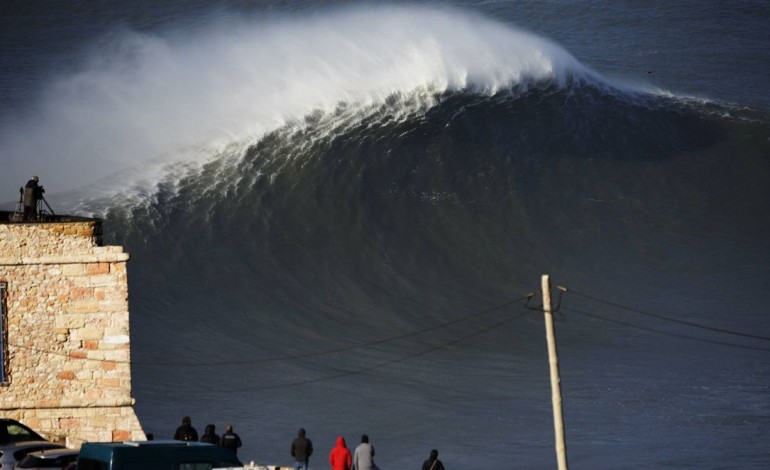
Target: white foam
<point x="141" y="97"/>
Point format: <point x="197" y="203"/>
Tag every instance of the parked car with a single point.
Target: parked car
<point x="50" y="459"/>
<point x="11" y="454"/>
<point x="154" y="455"/>
<point x="13" y="431"/>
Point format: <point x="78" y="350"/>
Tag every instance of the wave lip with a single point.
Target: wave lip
<point x="140" y="96"/>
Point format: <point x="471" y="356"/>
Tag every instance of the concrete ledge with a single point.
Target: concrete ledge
<point x="107" y="257"/>
<point x="69" y="404"/>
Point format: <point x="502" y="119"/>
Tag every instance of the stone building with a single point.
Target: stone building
<point x="64" y="343"/>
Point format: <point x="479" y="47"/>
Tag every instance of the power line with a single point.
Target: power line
<point x="284" y="357"/>
<point x="383" y="364"/>
<point x="667" y="333"/>
<point x="288" y="357"/>
<point x="667" y="318"/>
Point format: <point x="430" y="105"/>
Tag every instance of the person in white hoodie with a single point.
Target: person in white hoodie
<point x="363" y="458"/>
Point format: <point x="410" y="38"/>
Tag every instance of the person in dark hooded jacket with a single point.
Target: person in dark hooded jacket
<point x="186" y="432"/>
<point x="301" y="450"/>
<point x="433" y="463"/>
<point x="210" y="436"/>
<point x="32" y="193"/>
<point x="340" y="458"/>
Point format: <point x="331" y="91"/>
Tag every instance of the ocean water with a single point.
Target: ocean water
<point x="336" y="212"/>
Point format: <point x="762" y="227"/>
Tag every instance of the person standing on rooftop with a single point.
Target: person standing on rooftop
<point x="32" y="194"/>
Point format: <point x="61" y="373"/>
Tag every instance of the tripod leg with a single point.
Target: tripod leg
<point x="48" y="206"/>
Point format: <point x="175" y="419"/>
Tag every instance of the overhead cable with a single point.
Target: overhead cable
<point x="283" y="357"/>
<point x="667" y="333"/>
<point x="382" y="364"/>
<point x="667" y="318"/>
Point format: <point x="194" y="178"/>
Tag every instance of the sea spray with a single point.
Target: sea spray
<point x="140" y="97"/>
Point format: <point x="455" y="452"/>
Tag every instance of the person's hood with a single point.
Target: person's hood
<point x="341" y="441"/>
<point x="433" y="455"/>
<point x="210" y="429"/>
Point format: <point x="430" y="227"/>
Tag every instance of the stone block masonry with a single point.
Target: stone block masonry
<point x="66" y="339"/>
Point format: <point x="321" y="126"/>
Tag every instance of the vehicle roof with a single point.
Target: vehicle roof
<point x="53" y="453"/>
<point x="22" y="444"/>
<point x="155" y="443"/>
<point x="158" y="450"/>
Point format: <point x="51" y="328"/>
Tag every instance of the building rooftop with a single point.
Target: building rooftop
<point x="11" y="217"/>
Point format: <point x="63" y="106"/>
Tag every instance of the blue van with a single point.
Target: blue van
<point x="154" y="455"/>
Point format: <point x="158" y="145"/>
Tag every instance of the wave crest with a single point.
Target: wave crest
<point x="140" y="97"/>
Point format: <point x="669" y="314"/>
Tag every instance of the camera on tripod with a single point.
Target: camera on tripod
<point x="32" y="213"/>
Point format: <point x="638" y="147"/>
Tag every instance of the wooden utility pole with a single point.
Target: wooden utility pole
<point x="553" y="360"/>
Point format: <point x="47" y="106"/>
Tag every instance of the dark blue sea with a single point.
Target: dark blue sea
<point x="336" y="211"/>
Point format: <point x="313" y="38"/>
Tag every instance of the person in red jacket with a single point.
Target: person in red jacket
<point x="340" y="458"/>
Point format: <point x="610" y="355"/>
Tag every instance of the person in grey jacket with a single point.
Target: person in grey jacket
<point x="363" y="458"/>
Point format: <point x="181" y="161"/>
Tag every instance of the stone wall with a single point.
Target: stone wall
<point x="68" y="349"/>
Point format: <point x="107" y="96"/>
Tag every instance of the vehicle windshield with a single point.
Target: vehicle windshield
<point x="91" y="464"/>
<point x="34" y="461"/>
<point x="17" y="432"/>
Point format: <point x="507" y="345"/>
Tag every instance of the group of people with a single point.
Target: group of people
<point x="340" y="457"/>
<point x="362" y="457"/>
<point x="229" y="440"/>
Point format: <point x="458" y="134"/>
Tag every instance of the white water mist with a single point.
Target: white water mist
<point x="162" y="98"/>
